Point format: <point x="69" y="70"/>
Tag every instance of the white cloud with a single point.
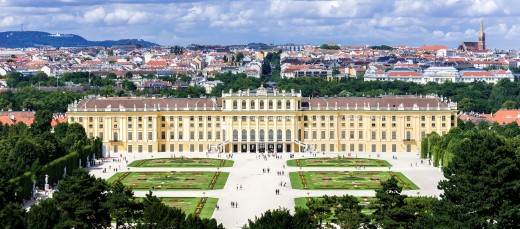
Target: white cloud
<point x="8" y="21"/>
<point x="95" y="15"/>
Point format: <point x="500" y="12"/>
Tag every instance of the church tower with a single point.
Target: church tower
<point x="481" y="37"/>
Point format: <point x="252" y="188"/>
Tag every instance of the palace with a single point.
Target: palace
<point x="264" y="121"/>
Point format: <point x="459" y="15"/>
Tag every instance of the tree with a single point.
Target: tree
<point x="319" y="210"/>
<point x="128" y="75"/>
<point x="80" y="198"/>
<point x="111" y="76"/>
<point x="158" y="215"/>
<point x="509" y="105"/>
<point x="390" y="206"/>
<point x="481" y="186"/>
<point x="302" y="219"/>
<point x="347" y="212"/>
<point x="42" y="121"/>
<point x="43" y="215"/>
<point x="12" y="216"/>
<point x="273" y="219"/>
<point x="129" y="86"/>
<point x="121" y="204"/>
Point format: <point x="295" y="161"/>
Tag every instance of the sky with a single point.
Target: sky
<point x="345" y="22"/>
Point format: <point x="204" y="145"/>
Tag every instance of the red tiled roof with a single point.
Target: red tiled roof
<point x="403" y="73"/>
<point x="475" y="73"/>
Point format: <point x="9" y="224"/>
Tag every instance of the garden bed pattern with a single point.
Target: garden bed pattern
<point x="169" y="180"/>
<point x="338" y="162"/>
<point x="182" y="162"/>
<point x="352" y="180"/>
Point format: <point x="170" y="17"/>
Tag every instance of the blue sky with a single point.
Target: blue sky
<point x="346" y="22"/>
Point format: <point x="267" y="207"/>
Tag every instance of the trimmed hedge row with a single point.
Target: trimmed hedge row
<point x="24" y="185"/>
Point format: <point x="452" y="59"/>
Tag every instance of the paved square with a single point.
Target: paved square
<point x="258" y="189"/>
<point x="346" y="180"/>
<point x="171" y="180"/>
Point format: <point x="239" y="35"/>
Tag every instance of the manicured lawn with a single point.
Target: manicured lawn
<point x="364" y="201"/>
<point x="189" y="205"/>
<point x="340" y="162"/>
<point x="182" y="162"/>
<point x="172" y="180"/>
<point x="351" y="180"/>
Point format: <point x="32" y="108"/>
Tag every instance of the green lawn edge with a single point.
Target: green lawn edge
<point x="209" y="208"/>
<point x="221" y="181"/>
<point x="412" y="185"/>
<point x="292" y="162"/>
<point x="294" y="177"/>
<point x="228" y="163"/>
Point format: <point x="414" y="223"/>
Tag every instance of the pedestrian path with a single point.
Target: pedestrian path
<point x="258" y="187"/>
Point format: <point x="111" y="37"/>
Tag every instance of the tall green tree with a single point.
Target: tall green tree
<point x="273" y="219"/>
<point x="121" y="204"/>
<point x="390" y="206"/>
<point x="43" y="215"/>
<point x="42" y="121"/>
<point x="481" y="186"/>
<point x="81" y="199"/>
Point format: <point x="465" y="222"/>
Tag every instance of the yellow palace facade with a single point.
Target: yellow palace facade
<point x="263" y="121"/>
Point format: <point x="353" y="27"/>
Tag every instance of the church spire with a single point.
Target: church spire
<point x="481" y="37"/>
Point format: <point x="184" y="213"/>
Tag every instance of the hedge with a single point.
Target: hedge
<point x="55" y="168"/>
<point x="23" y="185"/>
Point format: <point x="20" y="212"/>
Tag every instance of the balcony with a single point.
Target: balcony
<point x="115" y="140"/>
<point x="409" y="140"/>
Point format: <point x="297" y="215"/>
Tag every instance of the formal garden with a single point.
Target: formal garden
<point x="364" y="201"/>
<point x="351" y="180"/>
<point x="171" y="180"/>
<point x="339" y="162"/>
<point x="182" y="162"/>
<point x="201" y="206"/>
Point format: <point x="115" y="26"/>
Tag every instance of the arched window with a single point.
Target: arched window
<point x="288" y="135"/>
<point x="252" y="105"/>
<point x="252" y="135"/>
<point x="261" y="104"/>
<point x="235" y="104"/>
<point x="270" y="104"/>
<point x="271" y="135"/>
<point x="279" y="105"/>
<point x="235" y="135"/>
<point x="262" y="135"/>
<point x="244" y="135"/>
<point x="115" y="136"/>
<point x="408" y="135"/>
<point x="279" y="135"/>
<point x="244" y="105"/>
<point x="288" y="105"/>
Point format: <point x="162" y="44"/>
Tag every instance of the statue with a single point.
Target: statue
<point x="46" y="182"/>
<point x="64" y="171"/>
<point x="80" y="163"/>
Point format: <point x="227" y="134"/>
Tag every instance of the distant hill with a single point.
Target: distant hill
<point x="26" y="39"/>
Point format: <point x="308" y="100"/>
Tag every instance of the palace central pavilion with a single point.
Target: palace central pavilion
<point x="264" y="121"/>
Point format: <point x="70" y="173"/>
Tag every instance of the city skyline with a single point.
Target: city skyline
<point x="404" y="22"/>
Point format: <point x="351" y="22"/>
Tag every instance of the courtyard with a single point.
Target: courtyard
<point x="171" y="180"/>
<point x="254" y="190"/>
<point x="349" y="180"/>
